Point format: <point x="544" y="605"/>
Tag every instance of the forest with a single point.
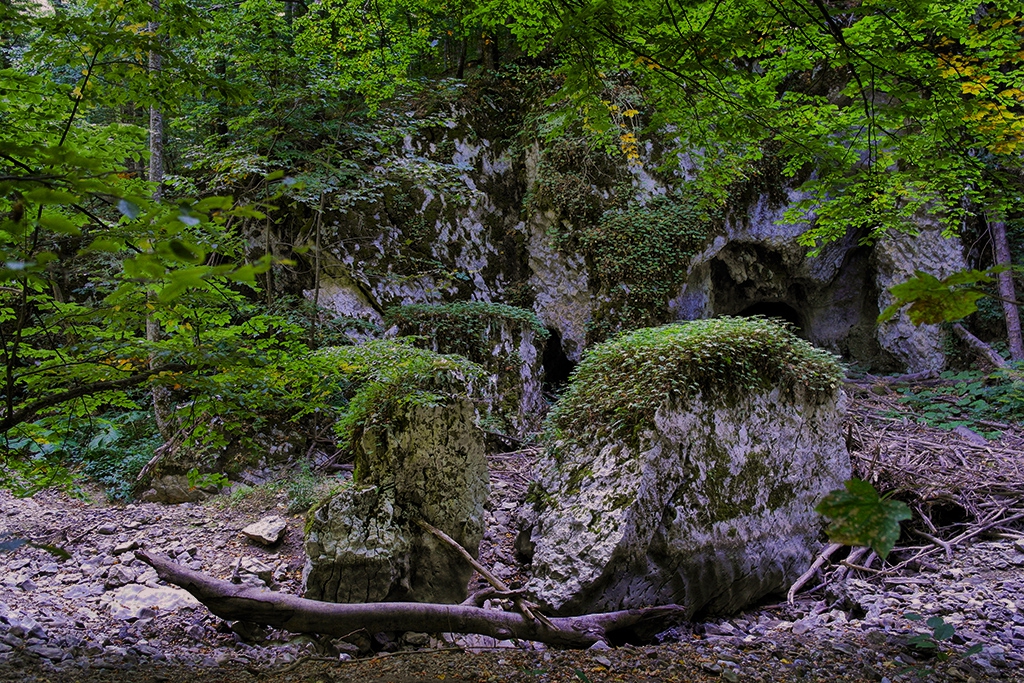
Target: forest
<point x="248" y="246"/>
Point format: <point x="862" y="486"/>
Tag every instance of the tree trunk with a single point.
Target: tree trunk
<point x="163" y="403"/>
<point x="1001" y="249"/>
<point x="242" y="603"/>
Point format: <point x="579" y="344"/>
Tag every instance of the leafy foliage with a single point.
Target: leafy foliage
<point x="933" y="301"/>
<point x="940" y="632"/>
<point x="898" y="109"/>
<point x="640" y="254"/>
<point x="621" y="383"/>
<point x="859" y="517"/>
<point x="979" y="401"/>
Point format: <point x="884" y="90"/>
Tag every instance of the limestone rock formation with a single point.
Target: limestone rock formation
<point x="897" y="256"/>
<point x="669" y="486"/>
<point x="363" y="544"/>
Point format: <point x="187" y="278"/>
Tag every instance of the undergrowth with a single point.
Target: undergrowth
<point x="982" y="402"/>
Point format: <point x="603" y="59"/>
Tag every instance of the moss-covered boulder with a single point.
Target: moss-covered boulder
<point x="684" y="467"/>
<point x="508" y="342"/>
<point x="363" y="544"/>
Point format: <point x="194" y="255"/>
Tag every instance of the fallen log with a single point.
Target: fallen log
<point x="235" y="602"/>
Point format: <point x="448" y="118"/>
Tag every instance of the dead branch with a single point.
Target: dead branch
<point x="498" y="584"/>
<point x="299" y="615"/>
<point x="983" y="350"/>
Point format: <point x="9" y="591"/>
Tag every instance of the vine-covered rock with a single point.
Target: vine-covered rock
<point x="685" y="466"/>
<point x="363" y="543"/>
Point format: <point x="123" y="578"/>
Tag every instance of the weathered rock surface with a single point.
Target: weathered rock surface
<point x="173" y="489"/>
<point x="709" y="507"/>
<point x="897" y="256"/>
<point x="363" y="544"/>
<point x="268" y="530"/>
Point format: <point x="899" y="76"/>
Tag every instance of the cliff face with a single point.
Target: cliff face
<point x="477" y="207"/>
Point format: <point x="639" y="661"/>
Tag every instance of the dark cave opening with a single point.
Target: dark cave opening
<point x="776" y="309"/>
<point x="557" y="366"/>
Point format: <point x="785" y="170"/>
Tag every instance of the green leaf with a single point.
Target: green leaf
<point x="128" y="209"/>
<point x="44" y="195"/>
<point x="859" y="517"/>
<point x="972" y="650"/>
<point x="944" y="631"/>
<point x="59" y="224"/>
<point x="188" y="219"/>
<point x="185" y="252"/>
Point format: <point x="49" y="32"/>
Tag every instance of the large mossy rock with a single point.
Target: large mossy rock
<point x="685" y="466"/>
<point x="363" y="543"/>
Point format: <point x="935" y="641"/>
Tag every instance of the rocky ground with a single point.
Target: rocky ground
<point x="101" y="615"/>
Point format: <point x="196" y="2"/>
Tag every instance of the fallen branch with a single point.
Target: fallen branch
<point x="807" y="575"/>
<point x="299" y="615"/>
<point x="983" y="350"/>
<point x="497" y="583"/>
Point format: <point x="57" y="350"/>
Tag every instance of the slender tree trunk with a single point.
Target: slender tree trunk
<point x="163" y="403"/>
<point x="1001" y="249"/>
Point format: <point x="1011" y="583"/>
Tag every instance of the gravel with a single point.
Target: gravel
<point x="102" y="615"/>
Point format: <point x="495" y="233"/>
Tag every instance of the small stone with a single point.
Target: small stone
<point x="267" y="531"/>
<point x="47" y="652"/>
<point x="26" y="585"/>
<point x="804" y="625"/>
<point x="1018" y="545"/>
<point x="121" y="548"/>
<point x="603" y="661"/>
<point x="107" y="529"/>
<point x="416" y="639"/>
<point x="118" y="576"/>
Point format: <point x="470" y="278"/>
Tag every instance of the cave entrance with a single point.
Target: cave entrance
<point x="557" y="366"/>
<point x="776" y="309"/>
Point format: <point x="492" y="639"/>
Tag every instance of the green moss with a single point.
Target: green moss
<point x="621" y="383"/>
<point x="465" y="327"/>
<point x="638" y="257"/>
<point x="366" y="384"/>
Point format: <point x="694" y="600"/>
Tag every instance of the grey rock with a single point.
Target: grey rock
<point x="713" y="511"/>
<point x="131" y="601"/>
<point x="27" y="627"/>
<point x="48" y="652"/>
<point x="363" y="545"/>
<point x="119" y="575"/>
<point x="267" y="531"/>
<point x="107" y="529"/>
<point x="125" y="547"/>
<point x="897" y="255"/>
<point x="172" y="489"/>
<point x="27" y="585"/>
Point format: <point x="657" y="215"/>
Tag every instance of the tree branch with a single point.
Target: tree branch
<point x="24" y="414"/>
<point x="299" y="615"/>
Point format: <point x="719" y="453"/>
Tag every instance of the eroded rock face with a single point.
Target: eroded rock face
<point x="363" y="544"/>
<point x="897" y="256"/>
<point x="713" y="509"/>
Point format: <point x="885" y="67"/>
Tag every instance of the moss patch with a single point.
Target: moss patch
<point x="367" y="384"/>
<point x="466" y="328"/>
<point x="638" y="257"/>
<point x="621" y="383"/>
